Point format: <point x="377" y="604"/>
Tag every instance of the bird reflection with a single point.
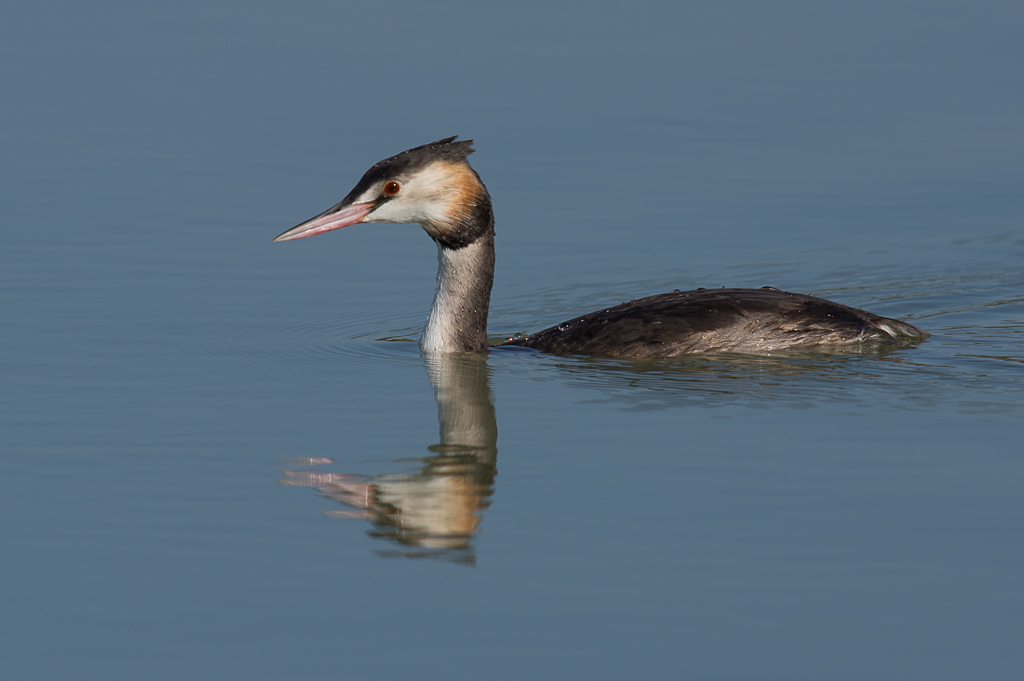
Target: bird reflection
<point x="436" y="511"/>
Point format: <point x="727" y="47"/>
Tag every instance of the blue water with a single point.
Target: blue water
<point x="165" y="366"/>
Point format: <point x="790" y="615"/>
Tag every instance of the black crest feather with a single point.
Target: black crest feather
<point x="446" y="148"/>
<point x="411" y="160"/>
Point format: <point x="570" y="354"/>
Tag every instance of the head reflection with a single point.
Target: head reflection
<point x="435" y="511"/>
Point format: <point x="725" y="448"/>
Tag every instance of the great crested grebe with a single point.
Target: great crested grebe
<point x="434" y="185"/>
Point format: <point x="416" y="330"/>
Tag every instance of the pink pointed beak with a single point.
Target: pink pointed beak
<point x="329" y="220"/>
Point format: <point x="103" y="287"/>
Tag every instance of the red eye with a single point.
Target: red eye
<point x="392" y="188"/>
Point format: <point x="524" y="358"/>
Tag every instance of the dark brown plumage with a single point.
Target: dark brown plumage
<point x="715" y="320"/>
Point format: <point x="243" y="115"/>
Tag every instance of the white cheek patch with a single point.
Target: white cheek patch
<point x="433" y="196"/>
<point x="391" y="212"/>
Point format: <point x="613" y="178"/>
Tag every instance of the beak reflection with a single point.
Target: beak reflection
<point x="435" y="510"/>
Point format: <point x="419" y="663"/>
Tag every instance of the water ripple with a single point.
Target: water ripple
<point x="353" y="340"/>
<point x="972" y="360"/>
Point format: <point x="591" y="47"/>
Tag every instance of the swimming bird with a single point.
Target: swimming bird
<point x="434" y="185"/>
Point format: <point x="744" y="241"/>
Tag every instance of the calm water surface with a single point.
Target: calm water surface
<point x="165" y="367"/>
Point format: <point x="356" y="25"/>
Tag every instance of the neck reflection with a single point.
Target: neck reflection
<point x="435" y="511"/>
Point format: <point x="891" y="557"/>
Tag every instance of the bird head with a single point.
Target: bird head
<point x="432" y="185"/>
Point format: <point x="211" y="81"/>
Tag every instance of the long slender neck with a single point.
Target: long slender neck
<point x="462" y="297"/>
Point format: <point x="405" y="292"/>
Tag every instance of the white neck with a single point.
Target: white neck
<point x="462" y="296"/>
